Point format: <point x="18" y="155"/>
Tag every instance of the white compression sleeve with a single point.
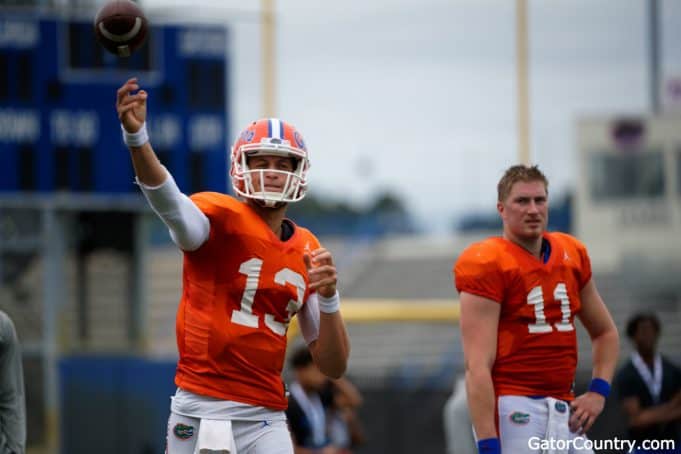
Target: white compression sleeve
<point x="189" y="227"/>
<point x="308" y="319"/>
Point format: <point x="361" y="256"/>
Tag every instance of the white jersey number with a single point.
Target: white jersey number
<point x="245" y="316"/>
<point x="536" y="299"/>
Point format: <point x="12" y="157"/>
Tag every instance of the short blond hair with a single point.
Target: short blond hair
<point x="516" y="173"/>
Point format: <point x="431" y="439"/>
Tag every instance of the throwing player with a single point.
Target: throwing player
<point x="519" y="297"/>
<point x="247" y="270"/>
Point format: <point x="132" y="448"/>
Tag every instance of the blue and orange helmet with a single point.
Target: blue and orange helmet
<point x="270" y="137"/>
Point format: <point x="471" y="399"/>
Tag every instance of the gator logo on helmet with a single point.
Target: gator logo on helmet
<point x="183" y="432"/>
<point x="299" y="140"/>
<point x="247" y="135"/>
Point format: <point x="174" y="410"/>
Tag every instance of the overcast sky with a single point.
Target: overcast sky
<point x="418" y="96"/>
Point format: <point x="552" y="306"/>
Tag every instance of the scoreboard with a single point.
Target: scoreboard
<point x="58" y="125"/>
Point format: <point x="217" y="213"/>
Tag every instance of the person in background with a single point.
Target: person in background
<point x="343" y="424"/>
<point x="458" y="428"/>
<point x="520" y="295"/>
<point x="649" y="386"/>
<point x="12" y="400"/>
<point x="309" y="400"/>
<point x="322" y="412"/>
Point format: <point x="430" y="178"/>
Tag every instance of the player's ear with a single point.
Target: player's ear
<point x="500" y="209"/>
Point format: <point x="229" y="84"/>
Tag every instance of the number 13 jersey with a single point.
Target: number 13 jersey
<point x="240" y="290"/>
<point x="536" y="341"/>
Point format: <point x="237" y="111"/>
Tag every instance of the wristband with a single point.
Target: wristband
<point x="600" y="386"/>
<point x="489" y="446"/>
<point x="329" y="305"/>
<point x="136" y="139"/>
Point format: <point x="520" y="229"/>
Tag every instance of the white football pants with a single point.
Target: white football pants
<point x="524" y="427"/>
<point x="251" y="437"/>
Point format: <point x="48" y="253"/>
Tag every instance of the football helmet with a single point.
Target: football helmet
<point x="269" y="137"/>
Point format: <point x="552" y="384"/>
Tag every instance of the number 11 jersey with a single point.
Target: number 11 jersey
<point x="536" y="340"/>
<point x="240" y="290"/>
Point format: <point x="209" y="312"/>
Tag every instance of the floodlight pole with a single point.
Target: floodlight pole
<point x="523" y="103"/>
<point x="267" y="35"/>
<point x="654" y="55"/>
<point x="53" y="241"/>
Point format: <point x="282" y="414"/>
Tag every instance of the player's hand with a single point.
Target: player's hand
<point x="584" y="411"/>
<point x="321" y="271"/>
<point x="131" y="108"/>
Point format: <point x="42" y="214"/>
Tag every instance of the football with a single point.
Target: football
<point x="121" y="27"/>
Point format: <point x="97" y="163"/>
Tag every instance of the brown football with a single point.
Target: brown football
<point x="120" y="26"/>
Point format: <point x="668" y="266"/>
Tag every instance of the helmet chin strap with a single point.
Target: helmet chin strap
<point x="269" y="203"/>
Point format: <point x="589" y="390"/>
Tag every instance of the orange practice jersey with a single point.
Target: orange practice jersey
<point x="536" y="344"/>
<point x="240" y="289"/>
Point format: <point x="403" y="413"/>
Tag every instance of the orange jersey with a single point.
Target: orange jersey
<point x="240" y="289"/>
<point x="536" y="343"/>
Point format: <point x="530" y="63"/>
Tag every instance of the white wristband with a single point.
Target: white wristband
<point x="136" y="139"/>
<point x="329" y="305"/>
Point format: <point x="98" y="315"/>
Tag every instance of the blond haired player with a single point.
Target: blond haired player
<point x="520" y="295"/>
